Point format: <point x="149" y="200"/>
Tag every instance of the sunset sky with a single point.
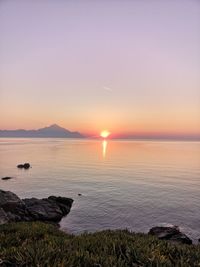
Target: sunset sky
<point x="130" y="67"/>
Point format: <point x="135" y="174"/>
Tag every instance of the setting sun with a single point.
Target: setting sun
<point x="105" y="134"/>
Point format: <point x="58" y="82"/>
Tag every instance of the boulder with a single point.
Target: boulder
<point x="43" y="210"/>
<point x="64" y="203"/>
<point x="20" y="166"/>
<point x="6" y="178"/>
<point x="9" y="200"/>
<point x="51" y="209"/>
<point x="27" y="165"/>
<point x="24" y="166"/>
<point x="173" y="234"/>
<point x="3" y="217"/>
<point x="12" y="205"/>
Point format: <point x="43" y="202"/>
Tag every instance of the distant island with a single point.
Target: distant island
<point x="52" y="131"/>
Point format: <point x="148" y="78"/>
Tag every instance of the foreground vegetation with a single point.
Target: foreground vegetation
<point x="39" y="244"/>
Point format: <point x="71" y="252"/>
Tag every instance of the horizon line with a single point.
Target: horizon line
<point x="123" y="135"/>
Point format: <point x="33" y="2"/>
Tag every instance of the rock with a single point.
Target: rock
<point x="24" y="166"/>
<point x="20" y="166"/>
<point x="3" y="217"/>
<point x="64" y="203"/>
<point x="48" y="209"/>
<point x="12" y="205"/>
<point x="9" y="201"/>
<point x="51" y="209"/>
<point x="27" y="165"/>
<point x="79" y="194"/>
<point x="173" y="234"/>
<point x="6" y="178"/>
<point x="43" y="210"/>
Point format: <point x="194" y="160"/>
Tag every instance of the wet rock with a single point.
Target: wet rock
<point x="51" y="209"/>
<point x="20" y="166"/>
<point x="24" y="166"/>
<point x="6" y="178"/>
<point x="172" y="234"/>
<point x="27" y="165"/>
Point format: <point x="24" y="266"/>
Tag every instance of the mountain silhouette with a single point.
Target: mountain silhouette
<point x="54" y="131"/>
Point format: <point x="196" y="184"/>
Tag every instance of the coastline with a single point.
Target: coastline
<point x="120" y="192"/>
<point x="54" y="208"/>
<point x="29" y="228"/>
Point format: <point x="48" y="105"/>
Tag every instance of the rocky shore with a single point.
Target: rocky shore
<point x="14" y="209"/>
<point x="53" y="209"/>
<point x="172" y="234"/>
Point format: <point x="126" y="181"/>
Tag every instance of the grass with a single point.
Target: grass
<point x="43" y="245"/>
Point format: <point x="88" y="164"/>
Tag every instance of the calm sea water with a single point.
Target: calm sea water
<point x="124" y="184"/>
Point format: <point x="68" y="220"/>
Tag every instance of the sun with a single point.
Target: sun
<point x="104" y="134"/>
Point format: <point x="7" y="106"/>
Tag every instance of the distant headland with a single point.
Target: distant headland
<point x="52" y="131"/>
<point x="56" y="131"/>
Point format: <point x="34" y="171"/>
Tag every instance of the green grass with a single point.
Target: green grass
<point x="43" y="245"/>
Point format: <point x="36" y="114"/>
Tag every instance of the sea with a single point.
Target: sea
<point x="115" y="184"/>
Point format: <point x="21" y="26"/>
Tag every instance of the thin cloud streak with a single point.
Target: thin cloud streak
<point x="107" y="89"/>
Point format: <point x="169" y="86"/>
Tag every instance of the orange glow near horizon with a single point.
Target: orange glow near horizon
<point x="104" y="134"/>
<point x="141" y="81"/>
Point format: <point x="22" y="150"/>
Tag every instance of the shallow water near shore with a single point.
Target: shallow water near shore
<point x="123" y="184"/>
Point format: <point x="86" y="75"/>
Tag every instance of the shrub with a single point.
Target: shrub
<point x="38" y="244"/>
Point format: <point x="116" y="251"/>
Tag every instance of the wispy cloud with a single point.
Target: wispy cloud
<point x="107" y="88"/>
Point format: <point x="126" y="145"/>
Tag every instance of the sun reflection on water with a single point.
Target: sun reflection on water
<point x="104" y="148"/>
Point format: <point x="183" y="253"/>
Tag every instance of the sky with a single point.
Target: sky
<point x="131" y="67"/>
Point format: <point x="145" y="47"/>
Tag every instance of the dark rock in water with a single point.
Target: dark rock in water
<point x="64" y="203"/>
<point x="51" y="209"/>
<point x="48" y="209"/>
<point x="6" y="178"/>
<point x="173" y="234"/>
<point x="43" y="210"/>
<point x="20" y="166"/>
<point x="24" y="166"/>
<point x="27" y="165"/>
<point x="79" y="194"/>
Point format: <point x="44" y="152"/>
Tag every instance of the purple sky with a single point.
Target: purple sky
<point x="125" y="66"/>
